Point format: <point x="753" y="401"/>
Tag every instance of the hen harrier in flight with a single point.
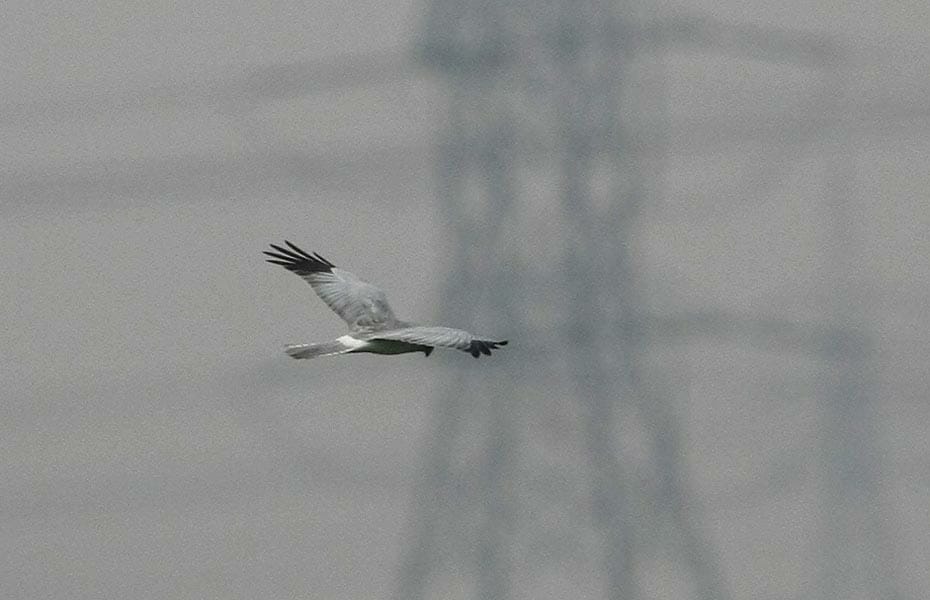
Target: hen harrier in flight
<point x="372" y="325"/>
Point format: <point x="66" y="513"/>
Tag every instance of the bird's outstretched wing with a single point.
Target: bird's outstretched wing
<point x="360" y="304"/>
<point x="444" y="337"/>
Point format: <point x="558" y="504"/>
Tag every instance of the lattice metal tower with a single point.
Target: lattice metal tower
<point x="541" y="185"/>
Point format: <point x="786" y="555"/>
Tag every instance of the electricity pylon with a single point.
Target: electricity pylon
<point x="534" y="137"/>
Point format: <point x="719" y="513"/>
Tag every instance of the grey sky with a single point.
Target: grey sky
<point x="157" y="443"/>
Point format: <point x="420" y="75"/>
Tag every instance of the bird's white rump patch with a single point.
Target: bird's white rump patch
<point x="351" y="342"/>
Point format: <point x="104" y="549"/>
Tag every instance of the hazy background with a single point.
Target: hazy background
<point x="703" y="227"/>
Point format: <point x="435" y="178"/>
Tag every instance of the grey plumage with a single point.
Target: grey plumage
<point x="372" y="325"/>
<point x="439" y="336"/>
<point x="315" y="350"/>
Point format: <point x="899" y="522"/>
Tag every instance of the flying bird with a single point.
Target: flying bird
<point x="372" y="324"/>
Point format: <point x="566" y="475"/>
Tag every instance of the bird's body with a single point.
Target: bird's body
<point x="372" y="325"/>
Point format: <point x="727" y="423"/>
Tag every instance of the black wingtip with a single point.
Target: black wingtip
<point x="297" y="250"/>
<point x="479" y="347"/>
<point x="295" y="259"/>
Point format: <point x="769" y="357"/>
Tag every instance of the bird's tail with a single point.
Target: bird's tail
<point x="315" y="350"/>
